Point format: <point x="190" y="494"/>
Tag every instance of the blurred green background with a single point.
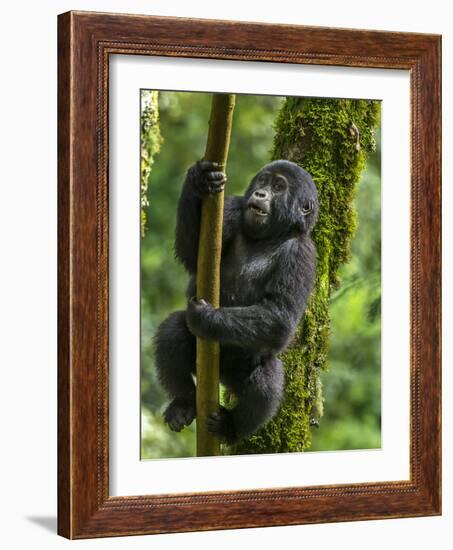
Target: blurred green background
<point x="352" y="384"/>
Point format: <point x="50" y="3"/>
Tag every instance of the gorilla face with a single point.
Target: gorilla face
<point x="280" y="200"/>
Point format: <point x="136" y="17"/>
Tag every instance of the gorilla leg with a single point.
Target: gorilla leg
<point x="259" y="398"/>
<point x="175" y="362"/>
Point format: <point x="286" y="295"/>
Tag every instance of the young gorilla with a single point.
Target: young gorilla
<point x="267" y="274"/>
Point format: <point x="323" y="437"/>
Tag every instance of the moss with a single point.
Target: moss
<point x="150" y="142"/>
<point x="330" y="138"/>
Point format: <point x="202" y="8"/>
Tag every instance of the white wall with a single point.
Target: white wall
<point x="28" y="269"/>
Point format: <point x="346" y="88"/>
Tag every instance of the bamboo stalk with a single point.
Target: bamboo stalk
<point x="208" y="272"/>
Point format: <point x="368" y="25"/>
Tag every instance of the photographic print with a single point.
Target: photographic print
<point x="226" y="289"/>
<point x="287" y="357"/>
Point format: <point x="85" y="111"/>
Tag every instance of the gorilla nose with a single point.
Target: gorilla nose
<point x="261" y="194"/>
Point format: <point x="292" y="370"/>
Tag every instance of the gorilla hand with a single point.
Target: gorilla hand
<point x="199" y="317"/>
<point x="208" y="179"/>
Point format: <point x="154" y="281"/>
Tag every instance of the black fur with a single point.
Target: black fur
<point x="267" y="274"/>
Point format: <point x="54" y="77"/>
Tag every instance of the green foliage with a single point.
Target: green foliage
<point x="352" y="384"/>
<point x="331" y="139"/>
<point x="150" y="142"/>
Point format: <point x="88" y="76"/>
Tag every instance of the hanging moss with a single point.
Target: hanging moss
<point x="331" y="139"/>
<point x="150" y="142"/>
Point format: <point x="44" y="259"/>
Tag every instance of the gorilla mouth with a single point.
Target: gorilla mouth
<point x="257" y="210"/>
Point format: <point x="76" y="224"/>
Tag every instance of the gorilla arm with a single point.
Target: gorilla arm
<point x="202" y="180"/>
<point x="268" y="324"/>
<point x="258" y="327"/>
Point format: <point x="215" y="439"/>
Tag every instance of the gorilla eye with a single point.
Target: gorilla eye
<point x="279" y="184"/>
<point x="307" y="208"/>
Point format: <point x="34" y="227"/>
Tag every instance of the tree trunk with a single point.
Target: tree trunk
<point x="150" y="143"/>
<point x="208" y="272"/>
<point x="330" y="138"/>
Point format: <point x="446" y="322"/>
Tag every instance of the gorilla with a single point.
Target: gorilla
<point x="267" y="274"/>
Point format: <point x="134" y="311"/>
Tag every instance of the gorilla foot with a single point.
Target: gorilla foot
<point x="180" y="413"/>
<point x="221" y="425"/>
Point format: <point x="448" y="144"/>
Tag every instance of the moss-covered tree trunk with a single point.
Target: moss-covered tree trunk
<point x="150" y="142"/>
<point x="330" y="138"/>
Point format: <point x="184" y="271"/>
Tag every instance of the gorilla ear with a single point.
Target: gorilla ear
<point x="301" y="226"/>
<point x="307" y="208"/>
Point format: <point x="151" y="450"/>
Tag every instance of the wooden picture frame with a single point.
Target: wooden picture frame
<point x="85" y="41"/>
